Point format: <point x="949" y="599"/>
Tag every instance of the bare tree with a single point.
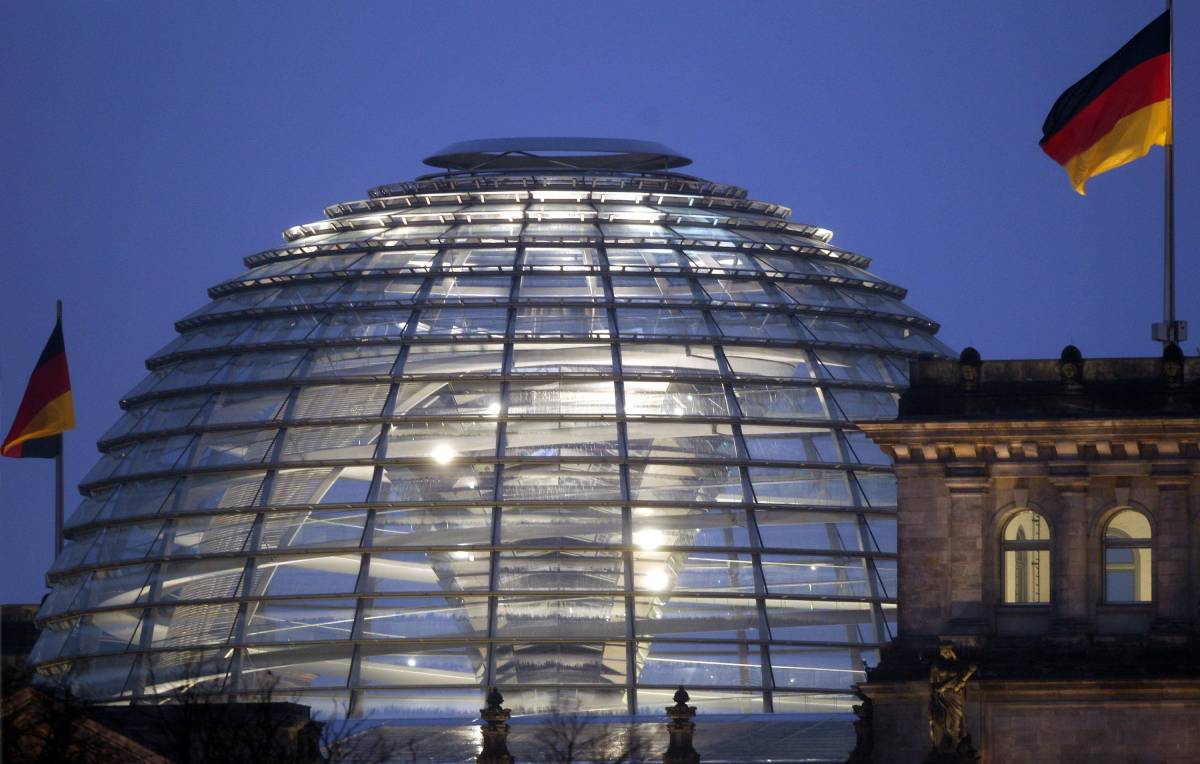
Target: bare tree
<point x="575" y="738"/>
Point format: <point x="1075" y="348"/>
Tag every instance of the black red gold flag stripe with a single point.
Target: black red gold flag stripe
<point x="1118" y="111"/>
<point x="46" y="411"/>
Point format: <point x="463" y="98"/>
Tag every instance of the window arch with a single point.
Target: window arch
<point x="1127" y="558"/>
<point x="1025" y="557"/>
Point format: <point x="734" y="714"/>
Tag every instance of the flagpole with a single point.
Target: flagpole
<point x="58" y="478"/>
<point x="1170" y="330"/>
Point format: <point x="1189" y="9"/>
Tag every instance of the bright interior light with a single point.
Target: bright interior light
<point x="493" y="409"/>
<point x="442" y="453"/>
<point x="412" y="661"/>
<point x="658" y="581"/>
<point x="649" y="538"/>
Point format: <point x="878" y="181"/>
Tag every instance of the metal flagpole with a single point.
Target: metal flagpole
<point x="58" y="480"/>
<point x="1170" y="330"/>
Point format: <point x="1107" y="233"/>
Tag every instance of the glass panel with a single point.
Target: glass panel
<point x="558" y="439"/>
<point x="467" y="288"/>
<point x="735" y="665"/>
<point x="210" y="336"/>
<point x="756" y="325"/>
<point x="675" y="399"/>
<point x="137" y="499"/>
<point x="681" y="440"/>
<point x="452" y="360"/>
<point x="1127" y="524"/>
<point x="441" y="442"/>
<point x="420" y="703"/>
<point x="655" y="527"/>
<point x="571" y="617"/>
<point x="433" y="527"/>
<point x="817" y="621"/>
<point x="779" y="402"/>
<point x="378" y="290"/>
<point x="551" y="570"/>
<point x="554" y="321"/>
<point x="252" y="367"/>
<point x="795" y="529"/>
<point x="381" y="261"/>
<point x="1027" y="576"/>
<point x="644" y="258"/>
<point x="697" y="618"/>
<point x="295" y="667"/>
<point x="695" y="572"/>
<point x="859" y="405"/>
<point x="299" y="620"/>
<point x="428" y="572"/>
<point x="435" y="398"/>
<point x="790" y="485"/>
<point x="463" y="321"/>
<point x="553" y="482"/>
<point x="458" y="483"/>
<point x="191" y="373"/>
<point x="421" y="664"/>
<point x="312" y="530"/>
<point x="1027" y="525"/>
<point x="576" y="700"/>
<point x="561" y="527"/>
<point x="824" y="576"/>
<point x="154" y="455"/>
<point x="172" y="413"/>
<point x="856" y="367"/>
<point x="334" y="401"/>
<point x="878" y="488"/>
<point x="863" y="450"/>
<point x="289" y="328"/>
<point x="215" y="449"/>
<point x="663" y="322"/>
<point x="818" y="296"/>
<point x="362" y="324"/>
<point x="561" y="258"/>
<point x="185" y="580"/>
<point x="211" y="534"/>
<point x="684" y="482"/>
<point x="478" y="258"/>
<point x="791" y="444"/>
<point x="330" y="443"/>
<point x="784" y="363"/>
<point x="655" y="289"/>
<point x="367" y="360"/>
<point x="424" y="617"/>
<point x="327" y="574"/>
<point x="333" y="485"/>
<point x="562" y="663"/>
<point x="249" y="406"/>
<point x="742" y="291"/>
<point x="668" y="359"/>
<point x="819" y="667"/>
<point x="127" y="543"/>
<point x="561" y="358"/>
<point x="578" y="398"/>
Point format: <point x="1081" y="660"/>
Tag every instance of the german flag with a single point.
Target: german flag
<point x="46" y="411"/>
<point x="1116" y="113"/>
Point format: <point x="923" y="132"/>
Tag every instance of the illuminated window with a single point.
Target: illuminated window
<point x="1127" y="558"/>
<point x="1025" y="550"/>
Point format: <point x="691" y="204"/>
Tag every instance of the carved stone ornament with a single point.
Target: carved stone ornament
<point x="495" y="731"/>
<point x="948" y="676"/>
<point x="681" y="728"/>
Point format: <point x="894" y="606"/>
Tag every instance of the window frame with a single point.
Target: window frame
<point x="1029" y="545"/>
<point x="1135" y="544"/>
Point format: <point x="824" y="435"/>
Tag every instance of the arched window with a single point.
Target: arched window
<point x="1025" y="552"/>
<point x="1127" y="558"/>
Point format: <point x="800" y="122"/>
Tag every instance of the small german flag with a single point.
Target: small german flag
<point x="46" y="411"/>
<point x="1116" y="113"/>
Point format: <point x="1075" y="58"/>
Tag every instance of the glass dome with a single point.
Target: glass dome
<point x="583" y="432"/>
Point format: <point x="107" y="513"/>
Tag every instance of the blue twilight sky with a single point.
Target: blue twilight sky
<point x="149" y="146"/>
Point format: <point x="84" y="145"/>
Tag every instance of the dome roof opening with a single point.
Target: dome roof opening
<point x="523" y="154"/>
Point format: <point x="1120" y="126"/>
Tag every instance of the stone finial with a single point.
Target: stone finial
<point x="1070" y="366"/>
<point x="969" y="364"/>
<point x="1172" y="364"/>
<point x="495" y="731"/>
<point x="681" y="728"/>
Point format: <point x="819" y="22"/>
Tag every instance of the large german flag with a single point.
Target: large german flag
<point x="46" y="411"/>
<point x="1115" y="114"/>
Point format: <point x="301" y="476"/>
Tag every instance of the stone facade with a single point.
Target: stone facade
<point x="1098" y="663"/>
